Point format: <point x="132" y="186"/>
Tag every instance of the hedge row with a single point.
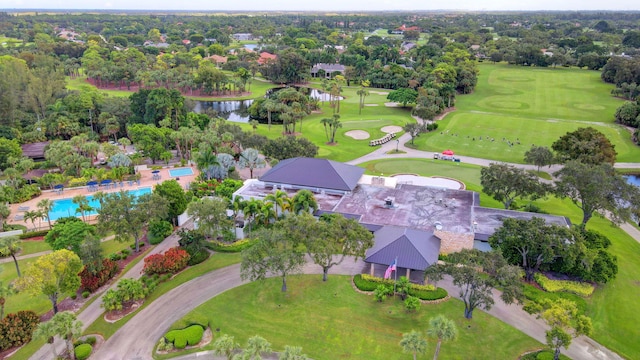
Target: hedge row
<point x="32" y="234"/>
<point x="378" y="280"/>
<point x="364" y="283"/>
<point x="574" y="287"/>
<point x="230" y="248"/>
<point x="541" y="355"/>
<point x="188" y="336"/>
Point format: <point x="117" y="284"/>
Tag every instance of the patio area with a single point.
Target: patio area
<point x="148" y="179"/>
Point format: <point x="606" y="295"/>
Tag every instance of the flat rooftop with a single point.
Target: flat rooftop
<point x="489" y="220"/>
<point x="417" y="207"/>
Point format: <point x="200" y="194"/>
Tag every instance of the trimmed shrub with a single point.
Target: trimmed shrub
<point x="133" y="246"/>
<point x="574" y="287"/>
<point x="412" y="303"/>
<point x="429" y="295"/>
<point x="237" y="246"/>
<point x="17" y="329"/>
<point x="198" y="257"/>
<point x="188" y="336"/>
<point x="172" y="261"/>
<point x="532" y="293"/>
<point x="91" y="340"/>
<point x="85" y="294"/>
<point x="83" y="351"/>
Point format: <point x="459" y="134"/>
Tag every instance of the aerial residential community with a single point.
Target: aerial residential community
<point x="383" y="183"/>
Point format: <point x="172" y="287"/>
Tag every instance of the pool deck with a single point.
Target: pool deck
<point x="146" y="180"/>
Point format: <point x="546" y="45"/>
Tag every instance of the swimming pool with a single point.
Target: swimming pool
<point x="66" y="207"/>
<point x="180" y="172"/>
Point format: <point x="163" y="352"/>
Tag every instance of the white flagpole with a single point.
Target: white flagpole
<point x="396" y="275"/>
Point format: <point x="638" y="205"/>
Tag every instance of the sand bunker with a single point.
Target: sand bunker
<point x="379" y="92"/>
<point x="391" y="129"/>
<point x="370" y="104"/>
<point x="357" y="134"/>
<point x="392" y="104"/>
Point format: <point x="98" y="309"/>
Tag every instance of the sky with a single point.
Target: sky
<point x="324" y="5"/>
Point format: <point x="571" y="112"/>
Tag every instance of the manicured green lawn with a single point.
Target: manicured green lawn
<point x="34" y="246"/>
<point x="332" y="321"/>
<point x="22" y="301"/>
<point x="530" y="106"/>
<point x="216" y="261"/>
<point x="372" y="120"/>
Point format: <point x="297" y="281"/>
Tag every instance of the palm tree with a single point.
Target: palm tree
<point x="83" y="205"/>
<point x="10" y="246"/>
<point x="279" y="199"/>
<point x="45" y="206"/>
<point x="334" y="125"/>
<point x="292" y="353"/>
<point x="443" y="329"/>
<point x="362" y="93"/>
<point x="413" y="343"/>
<point x="325" y="122"/>
<point x="206" y="162"/>
<point x="266" y="213"/>
<point x="256" y="347"/>
<point x="47" y="330"/>
<point x="33" y="215"/>
<point x="251" y="209"/>
<point x="225" y="345"/>
<point x="304" y="200"/>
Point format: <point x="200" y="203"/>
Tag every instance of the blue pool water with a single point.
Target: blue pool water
<point x="180" y="172"/>
<point x="66" y="207"/>
<point x="633" y="179"/>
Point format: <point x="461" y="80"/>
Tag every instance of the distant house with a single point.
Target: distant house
<point x="68" y="35"/>
<point x="326" y="71"/>
<point x="406" y="46"/>
<point x="34" y="151"/>
<point x="160" y="45"/>
<point x="217" y="59"/>
<point x="265" y="57"/>
<point x="186" y="42"/>
<point x="242" y="36"/>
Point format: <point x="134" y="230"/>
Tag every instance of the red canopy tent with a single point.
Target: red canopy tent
<point x="447" y="152"/>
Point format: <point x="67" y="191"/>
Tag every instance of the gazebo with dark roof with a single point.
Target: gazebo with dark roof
<point x="34" y="151"/>
<point x="414" y="249"/>
<point x="317" y="175"/>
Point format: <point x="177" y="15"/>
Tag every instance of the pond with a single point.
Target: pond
<point x="237" y="110"/>
<point x="633" y="179"/>
<point x="250" y="46"/>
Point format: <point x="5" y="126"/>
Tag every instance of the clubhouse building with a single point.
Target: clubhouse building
<point x="413" y="223"/>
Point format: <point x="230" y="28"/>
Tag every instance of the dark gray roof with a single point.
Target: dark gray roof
<point x="415" y="249"/>
<point x="314" y="173"/>
<point x="34" y="150"/>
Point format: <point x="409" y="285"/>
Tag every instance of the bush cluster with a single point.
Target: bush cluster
<point x="18" y="195"/>
<point x="128" y="291"/>
<point x="237" y="246"/>
<point x="93" y="281"/>
<point x="366" y="282"/>
<point x="574" y="287"/>
<point x="198" y="257"/>
<point x="188" y="336"/>
<point x="158" y="231"/>
<point x="16" y="329"/>
<point x="83" y="351"/>
<point x="532" y="293"/>
<point x="541" y="355"/>
<point x="172" y="261"/>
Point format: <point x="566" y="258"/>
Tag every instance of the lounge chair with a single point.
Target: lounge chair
<point x="24" y="208"/>
<point x="19" y="217"/>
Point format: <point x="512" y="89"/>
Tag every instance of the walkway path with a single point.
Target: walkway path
<point x="153" y="321"/>
<point x="29" y="256"/>
<point x="92" y="312"/>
